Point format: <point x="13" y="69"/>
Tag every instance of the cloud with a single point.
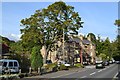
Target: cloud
<point x="15" y="37"/>
<point x="103" y="38"/>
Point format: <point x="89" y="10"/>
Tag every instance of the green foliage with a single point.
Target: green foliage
<point x="16" y="48"/>
<point x="104" y="48"/>
<point x="36" y="58"/>
<point x="78" y="65"/>
<point x="45" y="26"/>
<point x="5" y="40"/>
<point x="99" y="46"/>
<point x="62" y="67"/>
<point x="51" y="67"/>
<point x="117" y="22"/>
<point x="103" y="56"/>
<point x="116" y="50"/>
<point x="107" y="47"/>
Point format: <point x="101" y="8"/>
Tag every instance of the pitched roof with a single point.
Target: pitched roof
<point x="77" y="40"/>
<point x="86" y="41"/>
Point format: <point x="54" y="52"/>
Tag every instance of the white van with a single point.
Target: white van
<point x="7" y="65"/>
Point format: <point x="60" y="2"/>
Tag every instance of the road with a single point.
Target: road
<point x="89" y="72"/>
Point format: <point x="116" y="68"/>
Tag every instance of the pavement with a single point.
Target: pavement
<point x="91" y="72"/>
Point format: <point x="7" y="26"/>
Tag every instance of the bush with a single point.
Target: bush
<point x="63" y="67"/>
<point x="36" y="58"/>
<point x="51" y="67"/>
<point x="78" y="65"/>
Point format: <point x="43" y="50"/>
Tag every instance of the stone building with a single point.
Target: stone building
<point x="76" y="49"/>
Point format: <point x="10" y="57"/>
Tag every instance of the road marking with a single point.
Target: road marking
<point x="84" y="77"/>
<point x="100" y="70"/>
<point x="69" y="73"/>
<point x="92" y="73"/>
<point x="104" y="68"/>
<point x="115" y="75"/>
<point x="108" y="67"/>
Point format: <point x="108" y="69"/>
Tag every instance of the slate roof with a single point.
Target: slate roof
<point x="86" y="41"/>
<point x="77" y="40"/>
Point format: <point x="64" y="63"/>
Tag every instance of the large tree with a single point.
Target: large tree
<point x="117" y="22"/>
<point x="107" y="48"/>
<point x="48" y="25"/>
<point x="99" y="46"/>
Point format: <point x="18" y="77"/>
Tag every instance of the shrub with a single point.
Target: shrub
<point x="51" y="67"/>
<point x="63" y="67"/>
<point x="78" y="65"/>
<point x="36" y="58"/>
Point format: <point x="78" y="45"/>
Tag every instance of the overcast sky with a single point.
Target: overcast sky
<point x="98" y="17"/>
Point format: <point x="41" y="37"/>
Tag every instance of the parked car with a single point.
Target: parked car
<point x="106" y="63"/>
<point x="7" y="65"/>
<point x="99" y="64"/>
<point x="85" y="63"/>
<point x="111" y="62"/>
<point x="63" y="62"/>
<point x="117" y="62"/>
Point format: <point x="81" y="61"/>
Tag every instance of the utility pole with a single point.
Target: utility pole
<point x="63" y="45"/>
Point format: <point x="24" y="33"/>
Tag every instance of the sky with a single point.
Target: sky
<point x="98" y="17"/>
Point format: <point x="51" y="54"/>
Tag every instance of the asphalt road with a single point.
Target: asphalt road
<point x="107" y="72"/>
<point x="110" y="71"/>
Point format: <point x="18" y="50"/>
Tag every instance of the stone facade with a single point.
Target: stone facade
<point x="72" y="50"/>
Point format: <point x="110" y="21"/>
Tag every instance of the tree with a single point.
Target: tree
<point x="99" y="46"/>
<point x="36" y="58"/>
<point x="117" y="22"/>
<point x="47" y="26"/>
<point x="107" y="48"/>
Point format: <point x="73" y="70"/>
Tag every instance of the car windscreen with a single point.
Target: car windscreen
<point x="10" y="64"/>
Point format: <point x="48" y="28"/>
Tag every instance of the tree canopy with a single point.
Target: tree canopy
<point x="117" y="22"/>
<point x="46" y="26"/>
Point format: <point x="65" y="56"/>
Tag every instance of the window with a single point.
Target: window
<point x="15" y="64"/>
<point x="4" y="64"/>
<point x="11" y="64"/>
<point x="85" y="46"/>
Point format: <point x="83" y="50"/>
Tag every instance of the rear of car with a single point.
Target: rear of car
<point x="106" y="63"/>
<point x="99" y="64"/>
<point x="64" y="63"/>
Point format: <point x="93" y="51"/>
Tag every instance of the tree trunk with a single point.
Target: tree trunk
<point x="46" y="53"/>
